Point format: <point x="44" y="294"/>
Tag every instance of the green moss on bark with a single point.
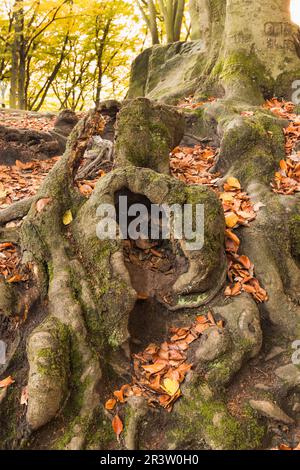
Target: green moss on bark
<point x="252" y="147"/>
<point x="209" y="420"/>
<point x="146" y="133"/>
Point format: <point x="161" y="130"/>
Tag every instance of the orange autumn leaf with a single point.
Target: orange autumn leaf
<point x="126" y="390"/>
<point x="283" y="165"/>
<point x="156" y="367"/>
<point x="164" y="399"/>
<point x="142" y="296"/>
<point x="182" y="345"/>
<point x="175" y="355"/>
<point x="201" y="319"/>
<point x="155" y="383"/>
<point x="249" y="289"/>
<point x="110" y="404"/>
<point x="245" y="261"/>
<point x="210" y="318"/>
<point x="231" y="219"/>
<point x="232" y="236"/>
<point x="184" y="368"/>
<point x="16" y="278"/>
<point x="236" y="289"/>
<point x="119" y="395"/>
<point x="201" y="327"/>
<point x="117" y="425"/>
<point x="284" y="447"/>
<point x="6" y="382"/>
<point x="163" y="354"/>
<point x="151" y="349"/>
<point x="4" y="246"/>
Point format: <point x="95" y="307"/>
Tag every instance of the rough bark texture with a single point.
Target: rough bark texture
<point x="230" y="55"/>
<point x="146" y="134"/>
<point x="82" y="341"/>
<point x="88" y="288"/>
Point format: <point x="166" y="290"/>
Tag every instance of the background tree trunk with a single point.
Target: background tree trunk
<point x="230" y="55"/>
<point x="261" y="50"/>
<point x="22" y="65"/>
<point x="18" y="24"/>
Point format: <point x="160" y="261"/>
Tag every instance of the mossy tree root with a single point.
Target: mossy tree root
<point x="251" y="149"/>
<point x="87" y="287"/>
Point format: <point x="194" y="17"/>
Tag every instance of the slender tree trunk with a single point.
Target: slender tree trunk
<point x="99" y="82"/>
<point x="99" y="72"/>
<point x="13" y="96"/>
<point x="178" y="19"/>
<point x="150" y="19"/>
<point x="22" y="67"/>
<point x="167" y="10"/>
<point x="42" y="94"/>
<point x="153" y="22"/>
<point x="13" y="77"/>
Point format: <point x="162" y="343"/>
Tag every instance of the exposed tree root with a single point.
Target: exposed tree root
<point x="104" y="155"/>
<point x="18" y="210"/>
<point x="90" y="292"/>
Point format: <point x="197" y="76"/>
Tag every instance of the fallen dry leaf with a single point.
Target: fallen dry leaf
<point x="68" y="217"/>
<point x="24" y="396"/>
<point x="16" y="278"/>
<point x="233" y="182"/>
<point x="231" y="219"/>
<point x="170" y="386"/>
<point x="6" y="382"/>
<point x="110" y="404"/>
<point x="154" y="368"/>
<point x="117" y="425"/>
<point x="245" y="261"/>
<point x="119" y="395"/>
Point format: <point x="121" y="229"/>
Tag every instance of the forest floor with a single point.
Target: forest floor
<point x="192" y="165"/>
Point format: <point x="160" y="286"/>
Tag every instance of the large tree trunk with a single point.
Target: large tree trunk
<point x="230" y="55"/>
<point x="256" y="55"/>
<point x="91" y="297"/>
<point x="15" y="49"/>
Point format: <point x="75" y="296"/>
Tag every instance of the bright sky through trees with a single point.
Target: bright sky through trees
<point x="295" y="11"/>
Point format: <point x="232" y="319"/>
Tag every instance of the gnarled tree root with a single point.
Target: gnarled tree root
<point x="91" y="296"/>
